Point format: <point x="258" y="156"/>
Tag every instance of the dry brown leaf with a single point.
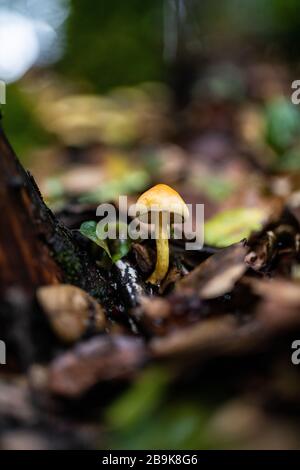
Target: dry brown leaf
<point x="216" y="275"/>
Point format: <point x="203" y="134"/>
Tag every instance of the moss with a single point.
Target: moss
<point x="70" y="264"/>
<point x="76" y="270"/>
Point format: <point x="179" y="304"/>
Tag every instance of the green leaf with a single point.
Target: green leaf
<point x="115" y="249"/>
<point x="89" y="230"/>
<point x="118" y="247"/>
<point x="123" y="249"/>
<point x="233" y="225"/>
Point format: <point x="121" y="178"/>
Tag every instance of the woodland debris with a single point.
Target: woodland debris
<point x="155" y="308"/>
<point x="280" y="302"/>
<point x="15" y="402"/>
<point x="211" y="337"/>
<point x="144" y="256"/>
<point x="98" y="359"/>
<point x="217" y="275"/>
<point x="70" y="311"/>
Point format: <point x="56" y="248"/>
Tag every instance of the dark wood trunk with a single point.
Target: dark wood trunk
<point x="35" y="248"/>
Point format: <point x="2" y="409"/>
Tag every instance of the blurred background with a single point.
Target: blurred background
<point x="108" y="98"/>
<point x="143" y="85"/>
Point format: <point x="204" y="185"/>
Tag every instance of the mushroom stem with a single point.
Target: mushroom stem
<point x="162" y="253"/>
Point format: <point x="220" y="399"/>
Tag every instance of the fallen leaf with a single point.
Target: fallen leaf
<point x="217" y="275"/>
<point x="231" y="226"/>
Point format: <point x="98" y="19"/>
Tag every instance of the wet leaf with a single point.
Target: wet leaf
<point x="119" y="247"/>
<point x="89" y="230"/>
<point x="115" y="249"/>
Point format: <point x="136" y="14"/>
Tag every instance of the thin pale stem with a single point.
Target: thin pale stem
<point x="162" y="253"/>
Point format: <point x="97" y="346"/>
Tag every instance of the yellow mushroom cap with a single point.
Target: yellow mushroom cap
<point x="162" y="198"/>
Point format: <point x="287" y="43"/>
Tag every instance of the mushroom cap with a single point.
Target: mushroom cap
<point x="162" y="198"/>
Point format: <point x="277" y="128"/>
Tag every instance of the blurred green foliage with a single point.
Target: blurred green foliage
<point x="20" y="124"/>
<point x="114" y="43"/>
<point x="107" y="44"/>
<point x="216" y="187"/>
<point x="290" y="161"/>
<point x="220" y="22"/>
<point x="282" y="123"/>
<point x="148" y="417"/>
<point x="129" y="183"/>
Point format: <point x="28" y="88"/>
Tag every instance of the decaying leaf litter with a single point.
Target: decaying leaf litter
<point x="203" y="360"/>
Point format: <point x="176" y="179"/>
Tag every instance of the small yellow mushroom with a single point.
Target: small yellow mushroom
<point x="166" y="204"/>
